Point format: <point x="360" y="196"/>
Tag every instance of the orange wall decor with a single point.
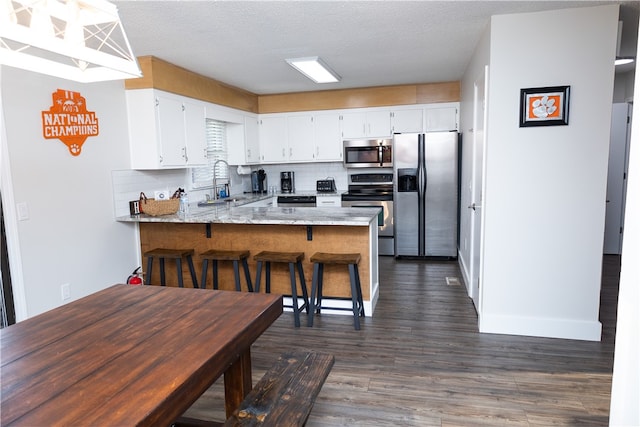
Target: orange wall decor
<point x="69" y="120"/>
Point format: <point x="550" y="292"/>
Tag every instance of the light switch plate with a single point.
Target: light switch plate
<point x="23" y="211"/>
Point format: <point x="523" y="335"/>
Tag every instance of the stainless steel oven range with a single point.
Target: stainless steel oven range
<point x="374" y="190"/>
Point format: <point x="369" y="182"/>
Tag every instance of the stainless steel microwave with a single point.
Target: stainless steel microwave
<point x="368" y="153"/>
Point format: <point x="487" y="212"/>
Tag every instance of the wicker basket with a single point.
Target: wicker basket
<point x="155" y="207"/>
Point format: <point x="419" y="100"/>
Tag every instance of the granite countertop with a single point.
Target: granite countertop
<point x="228" y="214"/>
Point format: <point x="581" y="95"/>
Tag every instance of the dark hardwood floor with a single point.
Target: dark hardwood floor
<point x="420" y="361"/>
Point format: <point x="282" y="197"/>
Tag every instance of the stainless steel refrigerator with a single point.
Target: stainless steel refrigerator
<point x="425" y="194"/>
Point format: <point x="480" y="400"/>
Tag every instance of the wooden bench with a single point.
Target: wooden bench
<point x="286" y="393"/>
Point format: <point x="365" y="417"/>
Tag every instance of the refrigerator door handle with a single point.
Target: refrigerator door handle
<point x="422" y="192"/>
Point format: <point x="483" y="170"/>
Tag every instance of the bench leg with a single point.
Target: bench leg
<point x="237" y="382"/>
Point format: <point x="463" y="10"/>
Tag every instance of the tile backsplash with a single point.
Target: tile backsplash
<point x="306" y="174"/>
<point x="127" y="184"/>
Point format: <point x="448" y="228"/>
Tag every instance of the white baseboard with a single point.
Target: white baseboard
<point x="466" y="274"/>
<point x="541" y="327"/>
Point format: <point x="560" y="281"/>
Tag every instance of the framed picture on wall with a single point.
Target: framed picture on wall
<point x="544" y="106"/>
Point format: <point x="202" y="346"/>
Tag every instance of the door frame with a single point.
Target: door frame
<point x="478" y="177"/>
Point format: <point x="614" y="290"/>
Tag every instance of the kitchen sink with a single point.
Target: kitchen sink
<point x="205" y="203"/>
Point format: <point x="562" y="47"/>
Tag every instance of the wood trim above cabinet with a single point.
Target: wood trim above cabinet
<point x="159" y="74"/>
<point x="382" y="96"/>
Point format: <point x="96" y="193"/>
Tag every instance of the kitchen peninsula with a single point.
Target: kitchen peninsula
<point x="309" y="230"/>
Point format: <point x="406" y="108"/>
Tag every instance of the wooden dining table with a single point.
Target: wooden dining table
<point x="130" y="355"/>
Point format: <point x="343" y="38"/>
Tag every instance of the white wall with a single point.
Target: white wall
<point x="71" y="235"/>
<point x="546" y="186"/>
<point x="475" y="68"/>
<point x="625" y="388"/>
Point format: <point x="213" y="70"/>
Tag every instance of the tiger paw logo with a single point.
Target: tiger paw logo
<point x="69" y="121"/>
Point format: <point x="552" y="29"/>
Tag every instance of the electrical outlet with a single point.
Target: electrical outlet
<point x="66" y="292"/>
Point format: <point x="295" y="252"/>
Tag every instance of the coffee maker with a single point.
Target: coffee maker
<point x="259" y="181"/>
<point x="287" y="182"/>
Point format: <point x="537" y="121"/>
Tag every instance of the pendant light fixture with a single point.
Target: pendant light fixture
<point x="81" y="40"/>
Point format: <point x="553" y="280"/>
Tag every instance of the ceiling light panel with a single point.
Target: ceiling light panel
<point x="315" y="69"/>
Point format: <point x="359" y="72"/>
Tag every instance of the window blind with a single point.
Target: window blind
<point x="216" y="150"/>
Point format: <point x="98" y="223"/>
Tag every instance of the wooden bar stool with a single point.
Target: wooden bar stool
<point x="178" y="255"/>
<point x="220" y="255"/>
<point x="294" y="259"/>
<point x="319" y="259"/>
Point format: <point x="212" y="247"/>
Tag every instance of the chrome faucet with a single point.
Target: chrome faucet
<point x="215" y="181"/>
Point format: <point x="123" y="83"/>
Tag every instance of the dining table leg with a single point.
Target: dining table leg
<point x="237" y="382"/>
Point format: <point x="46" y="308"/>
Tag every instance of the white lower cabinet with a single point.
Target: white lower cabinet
<point x="328" y="201"/>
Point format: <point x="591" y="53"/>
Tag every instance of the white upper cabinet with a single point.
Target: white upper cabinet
<point x="441" y="118"/>
<point x="252" y="140"/>
<point x="171" y="131"/>
<point x="407" y="121"/>
<point x="241" y="130"/>
<point x="195" y="131"/>
<point x="327" y="137"/>
<point x="165" y="130"/>
<point x="300" y="138"/>
<point x="273" y="138"/>
<point x="366" y="124"/>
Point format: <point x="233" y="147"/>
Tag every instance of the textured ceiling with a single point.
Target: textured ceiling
<point x="369" y="43"/>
